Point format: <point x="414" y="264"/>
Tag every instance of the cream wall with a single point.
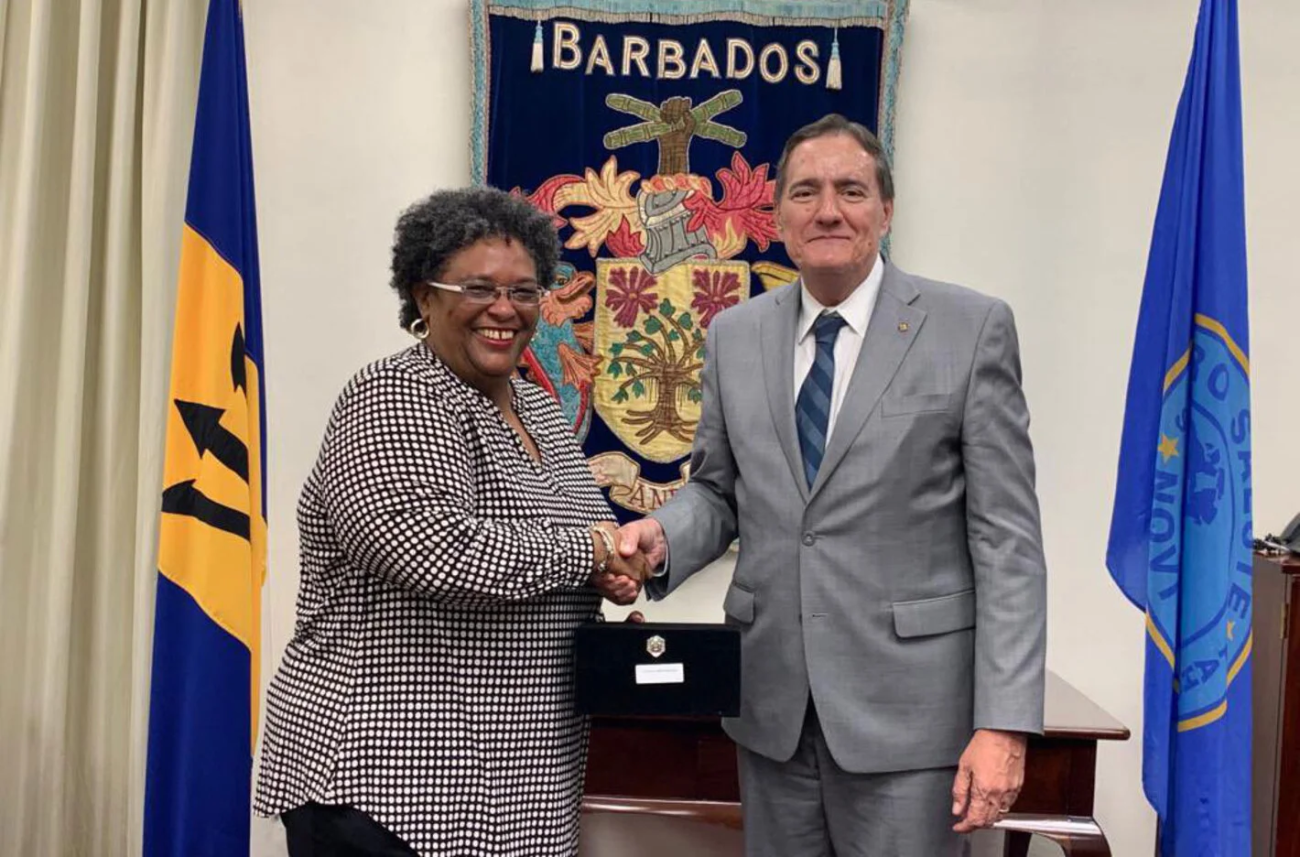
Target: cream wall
<point x="1030" y="144"/>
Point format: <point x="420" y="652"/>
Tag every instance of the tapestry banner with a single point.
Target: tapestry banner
<point x="650" y="131"/>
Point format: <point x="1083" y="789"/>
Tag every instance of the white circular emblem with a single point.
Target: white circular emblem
<point x="656" y="646"/>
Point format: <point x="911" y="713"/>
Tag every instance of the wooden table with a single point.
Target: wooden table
<point x="1061" y="775"/>
<point x="687" y="766"/>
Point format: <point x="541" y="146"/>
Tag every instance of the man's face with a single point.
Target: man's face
<point x="830" y="214"/>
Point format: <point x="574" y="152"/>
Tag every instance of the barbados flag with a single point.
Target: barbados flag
<point x="1180" y="537"/>
<point x="212" y="539"/>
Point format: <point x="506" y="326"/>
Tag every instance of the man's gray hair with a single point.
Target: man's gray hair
<point x="829" y="125"/>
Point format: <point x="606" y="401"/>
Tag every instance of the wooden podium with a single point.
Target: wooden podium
<point x="1276" y="696"/>
<point x="684" y="769"/>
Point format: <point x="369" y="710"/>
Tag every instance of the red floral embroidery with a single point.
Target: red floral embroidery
<point x="714" y="292"/>
<point x="629" y="293"/>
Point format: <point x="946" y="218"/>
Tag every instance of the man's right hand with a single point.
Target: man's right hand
<point x="620" y="581"/>
<point x="644" y="536"/>
<point x="636" y="566"/>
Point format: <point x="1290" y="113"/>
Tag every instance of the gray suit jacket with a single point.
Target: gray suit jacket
<point x="906" y="590"/>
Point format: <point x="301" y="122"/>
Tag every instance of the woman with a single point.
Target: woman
<point x="452" y="538"/>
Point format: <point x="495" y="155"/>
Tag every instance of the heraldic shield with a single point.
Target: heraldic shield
<point x="650" y="330"/>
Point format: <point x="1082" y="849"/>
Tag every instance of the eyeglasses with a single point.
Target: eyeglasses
<point x="520" y="294"/>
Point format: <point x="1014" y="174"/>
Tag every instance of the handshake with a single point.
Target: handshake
<point x="624" y="557"/>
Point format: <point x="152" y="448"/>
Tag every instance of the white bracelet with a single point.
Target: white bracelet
<point x="609" y="546"/>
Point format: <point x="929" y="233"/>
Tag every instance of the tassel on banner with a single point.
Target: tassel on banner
<point x="834" y="75"/>
<point x="537" y="64"/>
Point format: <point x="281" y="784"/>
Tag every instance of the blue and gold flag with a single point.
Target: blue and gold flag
<point x="1180" y="538"/>
<point x="212" y="535"/>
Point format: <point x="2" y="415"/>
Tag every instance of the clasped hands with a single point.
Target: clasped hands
<point x="616" y="575"/>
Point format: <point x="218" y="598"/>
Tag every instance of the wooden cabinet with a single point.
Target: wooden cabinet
<point x="1276" y="652"/>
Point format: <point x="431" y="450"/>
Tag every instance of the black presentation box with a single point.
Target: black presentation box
<point x="658" y="668"/>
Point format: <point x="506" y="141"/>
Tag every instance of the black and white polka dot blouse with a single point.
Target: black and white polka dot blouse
<point x="429" y="680"/>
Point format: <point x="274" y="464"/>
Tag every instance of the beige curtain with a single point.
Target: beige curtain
<point x="96" y="110"/>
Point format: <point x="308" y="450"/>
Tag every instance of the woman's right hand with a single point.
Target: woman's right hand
<point x="621" y="578"/>
<point x="616" y="588"/>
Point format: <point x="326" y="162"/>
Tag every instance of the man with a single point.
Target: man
<point x="865" y="436"/>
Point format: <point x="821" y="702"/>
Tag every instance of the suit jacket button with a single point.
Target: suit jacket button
<point x="809" y="538"/>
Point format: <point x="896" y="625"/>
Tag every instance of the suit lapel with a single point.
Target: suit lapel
<point x="779" y="328"/>
<point x="890" y="333"/>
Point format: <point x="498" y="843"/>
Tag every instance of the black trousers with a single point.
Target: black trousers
<point x="318" y="830"/>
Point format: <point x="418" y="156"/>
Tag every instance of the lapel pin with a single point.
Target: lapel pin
<point x="903" y="326"/>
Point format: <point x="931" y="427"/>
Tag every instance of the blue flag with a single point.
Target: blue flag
<point x="212" y="530"/>
<point x="1180" y="536"/>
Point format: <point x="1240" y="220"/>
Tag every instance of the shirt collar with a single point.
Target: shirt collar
<point x="460" y="387"/>
<point x="855" y="309"/>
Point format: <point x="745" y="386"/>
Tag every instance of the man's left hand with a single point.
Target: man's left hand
<point x="989" y="777"/>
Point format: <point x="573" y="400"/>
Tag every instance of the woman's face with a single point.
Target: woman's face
<point x="480" y="342"/>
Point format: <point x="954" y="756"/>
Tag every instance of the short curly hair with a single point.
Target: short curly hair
<point x="438" y="227"/>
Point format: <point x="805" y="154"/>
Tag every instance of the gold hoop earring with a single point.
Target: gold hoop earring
<point x="418" y="328"/>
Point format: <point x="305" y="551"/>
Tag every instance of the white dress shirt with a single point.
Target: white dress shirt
<point x="856" y="311"/>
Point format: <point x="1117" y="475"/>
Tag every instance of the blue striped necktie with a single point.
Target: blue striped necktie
<point x="812" y="410"/>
